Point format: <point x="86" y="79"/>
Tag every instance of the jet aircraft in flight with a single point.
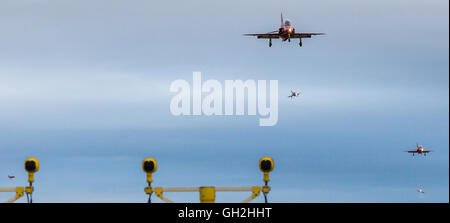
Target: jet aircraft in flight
<point x="285" y="32"/>
<point x="294" y="94"/>
<point x="419" y="150"/>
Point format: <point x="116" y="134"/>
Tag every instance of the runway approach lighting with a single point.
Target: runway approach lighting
<point x="207" y="193"/>
<point x="31" y="166"/>
<point x="149" y="166"/>
<point x="266" y="166"/>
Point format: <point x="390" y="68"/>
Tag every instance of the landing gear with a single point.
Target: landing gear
<point x="300" y="44"/>
<point x="270" y="42"/>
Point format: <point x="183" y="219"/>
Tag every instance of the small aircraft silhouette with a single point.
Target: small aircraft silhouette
<point x="294" y="94"/>
<point x="11" y="177"/>
<point x="420" y="191"/>
<point x="419" y="150"/>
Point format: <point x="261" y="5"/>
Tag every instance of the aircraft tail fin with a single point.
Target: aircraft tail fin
<point x="282" y="21"/>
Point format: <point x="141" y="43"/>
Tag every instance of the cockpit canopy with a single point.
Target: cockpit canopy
<point x="287" y="23"/>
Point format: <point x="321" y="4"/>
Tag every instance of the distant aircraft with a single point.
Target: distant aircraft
<point x="419" y="150"/>
<point x="294" y="94"/>
<point x="11" y="177"/>
<point x="420" y="191"/>
<point x="285" y="32"/>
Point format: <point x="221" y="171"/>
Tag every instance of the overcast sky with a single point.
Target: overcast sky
<point x="84" y="87"/>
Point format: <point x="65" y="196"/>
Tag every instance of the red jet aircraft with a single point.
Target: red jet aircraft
<point x="294" y="94"/>
<point x="11" y="177"/>
<point x="419" y="150"/>
<point x="285" y="32"/>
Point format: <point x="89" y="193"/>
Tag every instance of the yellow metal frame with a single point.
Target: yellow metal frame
<point x="208" y="194"/>
<point x="20" y="191"/>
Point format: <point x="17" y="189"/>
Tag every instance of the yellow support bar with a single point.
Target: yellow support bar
<point x="159" y="193"/>
<point x="7" y="189"/>
<point x="255" y="193"/>
<point x="207" y="194"/>
<point x="234" y="188"/>
<point x="178" y="189"/>
<point x="19" y="192"/>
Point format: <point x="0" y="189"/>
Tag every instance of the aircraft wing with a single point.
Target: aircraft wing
<point x="304" y="35"/>
<point x="427" y="151"/>
<point x="411" y="151"/>
<point x="265" y="35"/>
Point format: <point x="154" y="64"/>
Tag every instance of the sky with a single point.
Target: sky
<point x="84" y="87"/>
